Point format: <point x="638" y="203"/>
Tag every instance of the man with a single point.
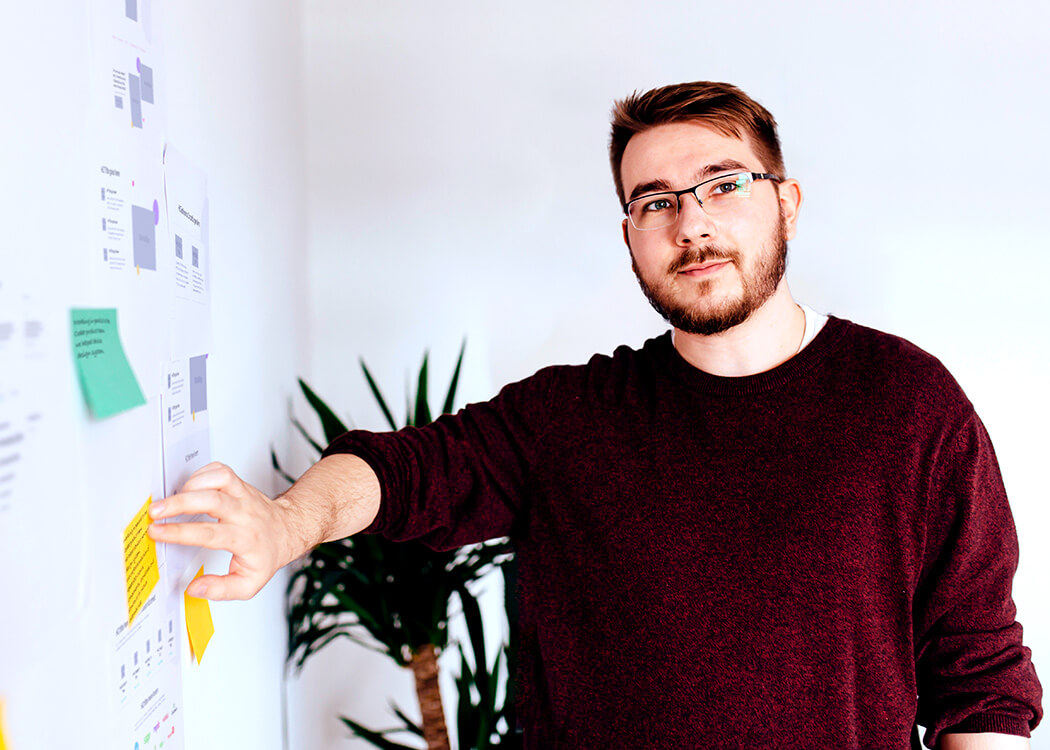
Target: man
<point x="766" y="528"/>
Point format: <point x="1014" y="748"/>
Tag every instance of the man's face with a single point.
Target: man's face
<point x="706" y="275"/>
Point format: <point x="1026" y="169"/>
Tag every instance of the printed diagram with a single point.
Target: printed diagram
<point x="139" y="88"/>
<point x="11" y="437"/>
<point x="186" y="441"/>
<point x="129" y="230"/>
<point x="185" y="405"/>
<point x="189" y="261"/>
<point x="186" y="191"/>
<point x="146" y="682"/>
<point x="187" y="252"/>
<point x="12" y="433"/>
<point x="137" y="11"/>
<point x="133" y="92"/>
<point x="127" y="73"/>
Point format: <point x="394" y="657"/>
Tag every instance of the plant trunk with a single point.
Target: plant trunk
<point x="425" y="670"/>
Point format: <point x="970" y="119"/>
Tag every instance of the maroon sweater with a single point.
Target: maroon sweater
<point x="784" y="560"/>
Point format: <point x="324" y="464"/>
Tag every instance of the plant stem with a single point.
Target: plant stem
<point x="425" y="669"/>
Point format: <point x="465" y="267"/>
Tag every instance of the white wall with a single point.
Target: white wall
<point x="917" y="134"/>
<point x="232" y="85"/>
<point x="459" y="185"/>
<point x="238" y="108"/>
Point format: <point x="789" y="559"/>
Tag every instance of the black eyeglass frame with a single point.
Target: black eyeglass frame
<point x="679" y="193"/>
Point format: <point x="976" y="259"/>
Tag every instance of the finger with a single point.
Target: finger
<point x="214" y="476"/>
<point x="199" y="534"/>
<point x="212" y="502"/>
<point x="223" y="588"/>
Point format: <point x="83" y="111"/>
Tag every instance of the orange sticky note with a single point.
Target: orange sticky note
<point x="140" y="561"/>
<point x="199" y="626"/>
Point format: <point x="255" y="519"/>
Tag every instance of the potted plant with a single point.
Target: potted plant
<point x="394" y="598"/>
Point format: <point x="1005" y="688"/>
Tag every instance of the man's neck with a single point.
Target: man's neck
<point x="769" y="337"/>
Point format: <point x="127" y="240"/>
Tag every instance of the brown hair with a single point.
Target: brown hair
<point x="721" y="106"/>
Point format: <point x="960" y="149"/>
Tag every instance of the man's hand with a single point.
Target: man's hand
<point x="336" y="497"/>
<point x="250" y="525"/>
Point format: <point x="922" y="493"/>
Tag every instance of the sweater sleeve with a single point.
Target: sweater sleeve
<point x="973" y="673"/>
<point x="462" y="479"/>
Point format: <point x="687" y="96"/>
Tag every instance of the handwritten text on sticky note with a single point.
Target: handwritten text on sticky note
<point x="140" y="561"/>
<point x="106" y="377"/>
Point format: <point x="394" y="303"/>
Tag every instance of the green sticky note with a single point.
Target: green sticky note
<point x="106" y="378"/>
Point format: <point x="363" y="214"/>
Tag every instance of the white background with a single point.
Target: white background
<point x="459" y="185"/>
<point x="388" y="177"/>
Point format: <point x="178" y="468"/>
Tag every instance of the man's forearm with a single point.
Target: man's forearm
<point x="982" y="741"/>
<point x="336" y="497"/>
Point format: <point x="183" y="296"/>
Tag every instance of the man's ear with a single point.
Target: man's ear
<point x="626" y="238"/>
<point x="790" y="202"/>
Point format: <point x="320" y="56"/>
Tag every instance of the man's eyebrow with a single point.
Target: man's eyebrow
<point x="658" y="186"/>
<point x="726" y="165"/>
<point x="653" y="186"/>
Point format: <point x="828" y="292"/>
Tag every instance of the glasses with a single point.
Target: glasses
<point x="719" y="196"/>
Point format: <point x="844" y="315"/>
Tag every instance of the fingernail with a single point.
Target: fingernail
<point x="155" y="530"/>
<point x="198" y="590"/>
<point x="156" y="508"/>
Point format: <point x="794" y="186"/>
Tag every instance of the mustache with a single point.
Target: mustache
<point x="693" y="255"/>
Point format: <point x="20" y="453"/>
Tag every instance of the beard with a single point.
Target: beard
<point x="705" y="317"/>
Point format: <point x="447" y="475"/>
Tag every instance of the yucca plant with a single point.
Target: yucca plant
<point x="393" y="597"/>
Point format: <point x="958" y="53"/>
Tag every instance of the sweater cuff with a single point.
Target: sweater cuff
<point x="989" y="722"/>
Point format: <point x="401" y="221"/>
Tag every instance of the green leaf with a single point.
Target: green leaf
<point x="376" y="738"/>
<point x="450" y="397"/>
<point x="476" y="630"/>
<point x="467" y="719"/>
<point x="332" y="425"/>
<point x="410" y="726"/>
<point x="421" y="416"/>
<point x="378" y="396"/>
<point x="277" y="467"/>
<point x="302" y="431"/>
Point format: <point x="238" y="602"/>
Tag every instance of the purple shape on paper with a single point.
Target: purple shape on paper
<point x="156" y="213"/>
<point x="138" y="64"/>
<point x="198" y="384"/>
<point x="144" y="235"/>
<point x="135" y="97"/>
<point x="146" y="76"/>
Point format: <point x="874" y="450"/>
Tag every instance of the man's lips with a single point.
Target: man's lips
<point x="706" y="268"/>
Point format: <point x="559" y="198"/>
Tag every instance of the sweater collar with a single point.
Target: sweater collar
<point x="682" y="371"/>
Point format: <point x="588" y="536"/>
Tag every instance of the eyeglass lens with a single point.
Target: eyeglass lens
<point x="718" y="197"/>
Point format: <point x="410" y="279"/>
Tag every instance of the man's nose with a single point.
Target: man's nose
<point x="694" y="224"/>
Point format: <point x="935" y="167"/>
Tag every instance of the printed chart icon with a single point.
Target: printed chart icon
<point x="143" y="230"/>
<point x="198" y="383"/>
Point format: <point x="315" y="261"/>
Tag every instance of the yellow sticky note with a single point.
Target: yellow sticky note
<point x="140" y="561"/>
<point x="199" y="626"/>
<point x="3" y="742"/>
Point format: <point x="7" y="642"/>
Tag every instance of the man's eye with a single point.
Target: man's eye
<point x="655" y="206"/>
<point x="722" y="188"/>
